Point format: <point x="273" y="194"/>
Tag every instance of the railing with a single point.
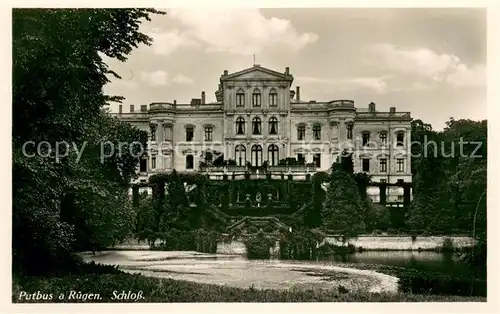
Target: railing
<point x="263" y="170"/>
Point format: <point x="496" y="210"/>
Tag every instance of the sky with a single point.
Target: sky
<point x="428" y="61"/>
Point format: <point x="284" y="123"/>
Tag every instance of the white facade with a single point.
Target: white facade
<point x="181" y="134"/>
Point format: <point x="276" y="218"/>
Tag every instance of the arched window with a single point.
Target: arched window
<point x="256" y="126"/>
<point x="273" y="98"/>
<point x="273" y="125"/>
<point x="256" y="155"/>
<point x="189" y="162"/>
<point x="240" y="98"/>
<point x="273" y="155"/>
<point x="301" y="132"/>
<point x="240" y="125"/>
<point x="241" y="155"/>
<point x="317" y="131"/>
<point x="256" y="98"/>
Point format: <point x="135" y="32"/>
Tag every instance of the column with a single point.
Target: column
<point x="160" y="139"/>
<point x="383" y="193"/>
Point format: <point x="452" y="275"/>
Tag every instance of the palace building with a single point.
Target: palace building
<point x="259" y="118"/>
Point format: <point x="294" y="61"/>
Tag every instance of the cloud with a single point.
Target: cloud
<point x="183" y="80"/>
<point x="162" y="78"/>
<point x="165" y="43"/>
<point x="379" y="85"/>
<point x="237" y="31"/>
<point x="464" y="76"/>
<point x="427" y="64"/>
<point x="374" y="84"/>
<point x="156" y="78"/>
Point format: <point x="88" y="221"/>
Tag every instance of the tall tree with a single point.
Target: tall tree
<point x="62" y="197"/>
<point x="343" y="209"/>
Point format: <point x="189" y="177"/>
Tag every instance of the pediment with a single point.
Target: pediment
<point x="257" y="73"/>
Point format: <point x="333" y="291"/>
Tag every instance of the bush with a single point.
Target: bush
<point x="259" y="245"/>
<point x="427" y="282"/>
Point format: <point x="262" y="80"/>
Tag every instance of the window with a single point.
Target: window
<point x="383" y="137"/>
<point x="383" y="165"/>
<point x="153" y="162"/>
<point x="240" y="125"/>
<point x="256" y="126"/>
<point x="189" y="162"/>
<point x="209" y="133"/>
<point x="400" y="139"/>
<point x="366" y="138"/>
<point x="153" y="133"/>
<point x="401" y="181"/>
<point x="366" y="164"/>
<point x="301" y="159"/>
<point x="349" y="131"/>
<point x="143" y="165"/>
<point x="273" y="155"/>
<point x="383" y="180"/>
<point x="301" y="132"/>
<point x="240" y="98"/>
<point x="256" y="155"/>
<point x="317" y="131"/>
<point x="256" y="98"/>
<point x="273" y="98"/>
<point x="401" y="164"/>
<point x="273" y="125"/>
<point x="400" y="198"/>
<point x="241" y="155"/>
<point x="168" y="133"/>
<point x="189" y="133"/>
<point x="317" y="160"/>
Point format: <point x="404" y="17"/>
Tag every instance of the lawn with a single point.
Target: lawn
<point x="109" y="287"/>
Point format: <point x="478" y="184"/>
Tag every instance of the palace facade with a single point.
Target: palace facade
<point x="258" y="118"/>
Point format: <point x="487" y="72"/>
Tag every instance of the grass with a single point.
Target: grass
<point x="169" y="290"/>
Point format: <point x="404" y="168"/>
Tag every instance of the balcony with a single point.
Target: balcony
<point x="298" y="172"/>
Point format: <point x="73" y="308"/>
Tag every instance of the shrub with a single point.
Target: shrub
<point x="259" y="245"/>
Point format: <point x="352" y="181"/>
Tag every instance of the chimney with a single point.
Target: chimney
<point x="226" y="72"/>
<point x="292" y="94"/>
<point x="120" y="109"/>
<point x="297" y="93"/>
<point x="131" y="108"/>
<point x="392" y="110"/>
<point x="203" y="98"/>
<point x="287" y="70"/>
<point x="144" y="108"/>
<point x="371" y="107"/>
<point x="175" y="102"/>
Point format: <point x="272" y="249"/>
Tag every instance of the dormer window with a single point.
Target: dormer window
<point x="256" y="98"/>
<point x="240" y="98"/>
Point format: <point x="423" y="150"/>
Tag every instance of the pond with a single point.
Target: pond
<point x="237" y="271"/>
